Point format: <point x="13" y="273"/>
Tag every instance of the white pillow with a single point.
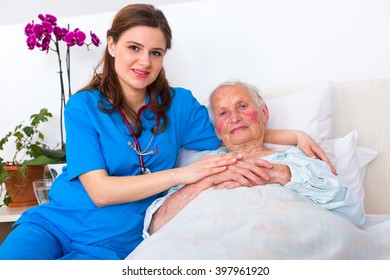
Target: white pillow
<point x="351" y="161"/>
<point x="309" y="110"/>
<point x="364" y="156"/>
<point x="187" y="156"/>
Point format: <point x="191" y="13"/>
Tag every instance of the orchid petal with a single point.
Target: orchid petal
<point x="52" y="19"/>
<point x="95" y="39"/>
<point x="69" y="39"/>
<point x="47" y="27"/>
<point x="60" y="32"/>
<point x="57" y="32"/>
<point x="28" y="30"/>
<point x="31" y="41"/>
<point x="49" y="18"/>
<point x="75" y="37"/>
<point x="80" y="37"/>
<point x="45" y="43"/>
<point x="64" y="31"/>
<point x="38" y="30"/>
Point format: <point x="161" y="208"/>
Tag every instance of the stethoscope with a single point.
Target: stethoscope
<point x="136" y="146"/>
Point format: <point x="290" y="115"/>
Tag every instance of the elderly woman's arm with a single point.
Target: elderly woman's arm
<point x="174" y="203"/>
<point x="312" y="178"/>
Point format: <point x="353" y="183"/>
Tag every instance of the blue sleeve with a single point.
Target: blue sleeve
<point x="83" y="149"/>
<point x="197" y="130"/>
<point x="314" y="179"/>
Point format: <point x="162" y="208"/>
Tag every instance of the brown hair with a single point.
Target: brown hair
<point x="107" y="80"/>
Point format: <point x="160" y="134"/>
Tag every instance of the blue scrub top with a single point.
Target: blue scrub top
<point x="97" y="140"/>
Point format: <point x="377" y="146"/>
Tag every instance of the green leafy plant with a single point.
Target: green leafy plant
<point x="30" y="148"/>
<point x="4" y="176"/>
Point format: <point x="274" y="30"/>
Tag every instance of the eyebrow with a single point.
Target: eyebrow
<point x="139" y="44"/>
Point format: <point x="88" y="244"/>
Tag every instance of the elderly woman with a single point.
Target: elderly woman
<point x="240" y="116"/>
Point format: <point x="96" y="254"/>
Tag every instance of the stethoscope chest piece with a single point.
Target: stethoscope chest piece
<point x="144" y="170"/>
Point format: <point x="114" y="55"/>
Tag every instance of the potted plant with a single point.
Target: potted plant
<point x="28" y="161"/>
<point x="47" y="36"/>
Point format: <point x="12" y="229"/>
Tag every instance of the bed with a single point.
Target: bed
<point x="350" y="121"/>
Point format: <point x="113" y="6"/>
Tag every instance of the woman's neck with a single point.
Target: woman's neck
<point x="255" y="148"/>
<point x="135" y="100"/>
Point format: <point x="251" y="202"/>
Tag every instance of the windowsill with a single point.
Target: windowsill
<point x="11" y="214"/>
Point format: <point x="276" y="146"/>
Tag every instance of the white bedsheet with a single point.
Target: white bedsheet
<point x="268" y="222"/>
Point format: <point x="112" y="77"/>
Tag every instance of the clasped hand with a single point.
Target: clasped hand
<point x="249" y="172"/>
<point x="228" y="171"/>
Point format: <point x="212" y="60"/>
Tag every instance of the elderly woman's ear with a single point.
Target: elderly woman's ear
<point x="265" y="113"/>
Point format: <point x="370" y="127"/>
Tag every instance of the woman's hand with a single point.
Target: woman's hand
<point x="279" y="174"/>
<point x="250" y="171"/>
<point x="206" y="166"/>
<point x="312" y="149"/>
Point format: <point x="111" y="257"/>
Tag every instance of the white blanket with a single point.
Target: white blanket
<point x="264" y="222"/>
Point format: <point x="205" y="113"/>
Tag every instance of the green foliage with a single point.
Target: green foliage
<point x="44" y="156"/>
<point x="27" y="136"/>
<point x="4" y="176"/>
<point x="28" y="141"/>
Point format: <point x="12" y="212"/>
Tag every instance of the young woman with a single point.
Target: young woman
<point x="126" y="122"/>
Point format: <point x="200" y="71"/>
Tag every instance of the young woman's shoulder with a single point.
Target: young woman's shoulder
<point x="181" y="94"/>
<point x="84" y="98"/>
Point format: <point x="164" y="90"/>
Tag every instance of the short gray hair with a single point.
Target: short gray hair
<point x="253" y="91"/>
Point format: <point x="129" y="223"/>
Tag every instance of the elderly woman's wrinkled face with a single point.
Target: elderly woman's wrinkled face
<point x="239" y="120"/>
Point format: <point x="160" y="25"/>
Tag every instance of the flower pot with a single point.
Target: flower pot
<point x="20" y="186"/>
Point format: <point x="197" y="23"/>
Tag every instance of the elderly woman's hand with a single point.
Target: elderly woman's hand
<point x="246" y="172"/>
<point x="279" y="174"/>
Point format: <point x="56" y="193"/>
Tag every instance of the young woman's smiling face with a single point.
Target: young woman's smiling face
<point x="139" y="56"/>
<point x="239" y="120"/>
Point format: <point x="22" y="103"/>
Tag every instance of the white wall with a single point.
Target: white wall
<point x="277" y="43"/>
<point x="268" y="43"/>
<point x="29" y="79"/>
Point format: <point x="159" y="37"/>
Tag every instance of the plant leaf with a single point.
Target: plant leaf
<point x="7" y="200"/>
<point x="28" y="130"/>
<point x="41" y="160"/>
<point x="57" y="154"/>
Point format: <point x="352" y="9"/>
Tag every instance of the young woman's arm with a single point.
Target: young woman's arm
<point x="300" y="138"/>
<point x="108" y="190"/>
